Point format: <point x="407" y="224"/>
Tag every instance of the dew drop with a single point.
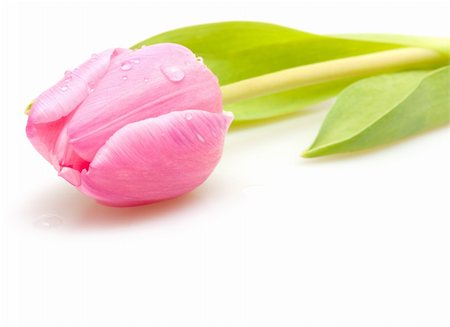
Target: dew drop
<point x="91" y="87"/>
<point x="63" y="88"/>
<point x="124" y="77"/>
<point x="200" y="59"/>
<point x="146" y="80"/>
<point x="125" y="66"/>
<point x="48" y="221"/>
<point x="137" y="61"/>
<point x="173" y="73"/>
<point x="200" y="138"/>
<point x="67" y="76"/>
<point x="188" y="116"/>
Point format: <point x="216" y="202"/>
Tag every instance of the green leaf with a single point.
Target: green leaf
<point x="383" y="109"/>
<point x="239" y="50"/>
<point x="28" y="108"/>
<point x="441" y="44"/>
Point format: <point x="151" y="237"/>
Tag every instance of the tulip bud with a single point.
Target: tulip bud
<point x="132" y="127"/>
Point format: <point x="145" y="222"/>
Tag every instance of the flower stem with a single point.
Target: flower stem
<point x="357" y="66"/>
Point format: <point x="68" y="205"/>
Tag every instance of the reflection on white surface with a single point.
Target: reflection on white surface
<point x="73" y="210"/>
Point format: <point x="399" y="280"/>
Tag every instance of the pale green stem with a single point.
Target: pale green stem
<point x="357" y="66"/>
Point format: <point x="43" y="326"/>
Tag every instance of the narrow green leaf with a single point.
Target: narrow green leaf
<point x="383" y="109"/>
<point x="441" y="44"/>
<point x="239" y="50"/>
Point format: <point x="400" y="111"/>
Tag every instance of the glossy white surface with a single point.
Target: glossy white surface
<point x="269" y="240"/>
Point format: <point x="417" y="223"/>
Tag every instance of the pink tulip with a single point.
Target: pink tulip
<point x="132" y="127"/>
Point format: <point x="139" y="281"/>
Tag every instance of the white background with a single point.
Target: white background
<point x="270" y="239"/>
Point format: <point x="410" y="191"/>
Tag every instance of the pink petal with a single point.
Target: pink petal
<point x="145" y="83"/>
<point x="63" y="154"/>
<point x="62" y="98"/>
<point x="71" y="175"/>
<point x="47" y="116"/>
<point x="44" y="136"/>
<point x="157" y="158"/>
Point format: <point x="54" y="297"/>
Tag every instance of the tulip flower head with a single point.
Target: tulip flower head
<point x="132" y="127"/>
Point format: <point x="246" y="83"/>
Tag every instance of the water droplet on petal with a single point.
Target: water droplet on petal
<point x="146" y="80"/>
<point x="173" y="73"/>
<point x="63" y="88"/>
<point x="91" y="87"/>
<point x="200" y="59"/>
<point x="124" y="77"/>
<point x="125" y="66"/>
<point x="67" y="75"/>
<point x="200" y="138"/>
<point x="136" y="61"/>
<point x="188" y="116"/>
<point x="48" y="221"/>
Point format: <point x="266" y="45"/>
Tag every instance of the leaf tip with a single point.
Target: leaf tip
<point x="310" y="153"/>
<point x="28" y="108"/>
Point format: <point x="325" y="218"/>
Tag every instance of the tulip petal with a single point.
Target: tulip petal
<point x="145" y="83"/>
<point x="71" y="175"/>
<point x="62" y="98"/>
<point x="44" y="136"/>
<point x="48" y="112"/>
<point x="157" y="158"/>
